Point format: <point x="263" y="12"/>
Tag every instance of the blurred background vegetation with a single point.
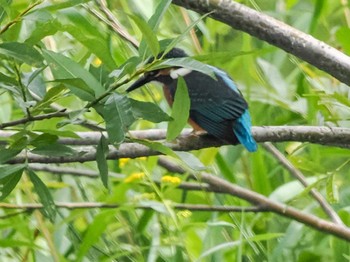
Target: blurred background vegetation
<point x="281" y="90"/>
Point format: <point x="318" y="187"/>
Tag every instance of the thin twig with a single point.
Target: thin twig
<point x="89" y="205"/>
<point x="28" y="119"/>
<point x="113" y="22"/>
<point x="299" y="176"/>
<point x="19" y="17"/>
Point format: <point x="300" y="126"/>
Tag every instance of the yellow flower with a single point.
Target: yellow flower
<point x="134" y="177"/>
<point x="123" y="161"/>
<point x="171" y="180"/>
<point x="184" y="213"/>
<point x="97" y="61"/>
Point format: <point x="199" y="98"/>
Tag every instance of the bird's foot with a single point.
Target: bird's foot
<point x="198" y="132"/>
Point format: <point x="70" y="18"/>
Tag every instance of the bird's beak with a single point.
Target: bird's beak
<point x="146" y="78"/>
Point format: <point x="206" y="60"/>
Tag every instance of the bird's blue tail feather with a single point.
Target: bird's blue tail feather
<point x="242" y="130"/>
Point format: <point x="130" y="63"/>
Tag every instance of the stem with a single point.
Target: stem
<point x="19" y="17"/>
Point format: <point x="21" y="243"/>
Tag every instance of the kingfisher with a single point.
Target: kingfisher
<point x="216" y="105"/>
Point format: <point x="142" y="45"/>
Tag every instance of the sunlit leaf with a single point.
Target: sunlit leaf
<point x="148" y="35"/>
<point x="65" y="68"/>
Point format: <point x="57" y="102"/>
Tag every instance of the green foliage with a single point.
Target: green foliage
<point x="180" y="111"/>
<point x="58" y="55"/>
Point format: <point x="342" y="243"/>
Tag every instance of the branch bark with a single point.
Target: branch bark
<point x="275" y="32"/>
<point x="220" y="185"/>
<point x="318" y="135"/>
<point x="299" y="176"/>
<point x="89" y="205"/>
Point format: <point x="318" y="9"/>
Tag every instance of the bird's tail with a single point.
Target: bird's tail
<point x="242" y="130"/>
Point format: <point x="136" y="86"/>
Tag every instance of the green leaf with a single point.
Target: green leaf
<point x="7" y="153"/>
<point x="63" y="67"/>
<point x="4" y="79"/>
<point x="94" y="231"/>
<point x="118" y="117"/>
<point x="180" y="110"/>
<point x="158" y="15"/>
<point x="44" y="139"/>
<point x="23" y="53"/>
<point x="186" y="62"/>
<point x="78" y="87"/>
<point x="190" y="160"/>
<point x="342" y="36"/>
<point x="9" y="178"/>
<point x="101" y="154"/>
<point x="97" y="41"/>
<point x="153" y="23"/>
<point x="185" y="32"/>
<point x="41" y="24"/>
<point x="156" y="146"/>
<point x="54" y="150"/>
<point x="49" y="208"/>
<point x="147" y="35"/>
<point x="60" y="133"/>
<point x="148" y="111"/>
<point x="51" y="96"/>
<point x="331" y="190"/>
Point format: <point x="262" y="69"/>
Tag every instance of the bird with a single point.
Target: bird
<point x="216" y="104"/>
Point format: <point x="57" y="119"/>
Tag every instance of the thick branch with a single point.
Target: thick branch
<point x="318" y="135"/>
<point x="276" y="33"/>
<point x="314" y="134"/>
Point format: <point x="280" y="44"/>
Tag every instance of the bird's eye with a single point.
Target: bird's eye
<point x="152" y="73"/>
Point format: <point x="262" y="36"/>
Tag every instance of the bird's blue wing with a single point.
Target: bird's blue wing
<point x="219" y="108"/>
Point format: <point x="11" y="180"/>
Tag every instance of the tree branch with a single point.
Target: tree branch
<point x="329" y="136"/>
<point x="275" y="32"/>
<point x="299" y="176"/>
<point x="220" y="185"/>
<point x="28" y="119"/>
<point x="89" y="205"/>
<point x="185" y="142"/>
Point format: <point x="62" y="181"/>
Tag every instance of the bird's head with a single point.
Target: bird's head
<point x="161" y="75"/>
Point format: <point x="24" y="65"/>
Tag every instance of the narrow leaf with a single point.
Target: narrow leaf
<point x="49" y="208"/>
<point x="156" y="146"/>
<point x="9" y="178"/>
<point x="78" y="87"/>
<point x="63" y="67"/>
<point x="7" y="153"/>
<point x="148" y="35"/>
<point x="22" y="52"/>
<point x="148" y="111"/>
<point x="180" y="37"/>
<point x="118" y="117"/>
<point x="54" y="149"/>
<point x="186" y="62"/>
<point x="101" y="153"/>
<point x="180" y="110"/>
<point x="94" y="231"/>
